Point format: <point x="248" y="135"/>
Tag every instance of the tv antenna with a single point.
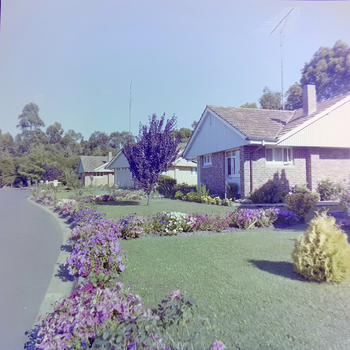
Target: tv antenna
<point x="130" y="102"/>
<point x="282" y="24"/>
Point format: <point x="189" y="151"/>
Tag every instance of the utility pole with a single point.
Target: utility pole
<point x="282" y="24"/>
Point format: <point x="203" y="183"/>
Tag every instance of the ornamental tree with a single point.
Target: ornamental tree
<point x="153" y="152"/>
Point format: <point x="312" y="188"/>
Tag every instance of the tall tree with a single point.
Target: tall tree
<point x="184" y="134"/>
<point x="294" y="97"/>
<point x="6" y="145"/>
<point x="249" y="105"/>
<point x="270" y="100"/>
<point x="194" y="124"/>
<point x="153" y="152"/>
<point x="99" y="139"/>
<point x="7" y="172"/>
<point x="55" y="132"/>
<point x="29" y="119"/>
<point x="329" y="70"/>
<point x="117" y="139"/>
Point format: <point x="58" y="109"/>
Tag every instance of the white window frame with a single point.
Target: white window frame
<point x="232" y="155"/>
<point x="287" y="156"/>
<point x="207" y="160"/>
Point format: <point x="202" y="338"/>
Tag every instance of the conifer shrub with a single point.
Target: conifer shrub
<point x="323" y="253"/>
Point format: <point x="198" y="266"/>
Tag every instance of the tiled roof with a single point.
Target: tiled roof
<point x="254" y="122"/>
<point x="90" y="163"/>
<point x="269" y="124"/>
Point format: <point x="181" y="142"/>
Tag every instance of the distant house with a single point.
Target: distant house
<point x="250" y="146"/>
<point x="184" y="171"/>
<point x="93" y="170"/>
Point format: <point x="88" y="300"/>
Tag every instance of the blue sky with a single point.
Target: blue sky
<point x="76" y="58"/>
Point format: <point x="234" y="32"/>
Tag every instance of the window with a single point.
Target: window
<point x="207" y="159"/>
<point x="279" y="156"/>
<point x="231" y="160"/>
<point x="98" y="174"/>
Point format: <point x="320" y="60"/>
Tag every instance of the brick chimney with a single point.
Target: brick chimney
<point x="309" y="99"/>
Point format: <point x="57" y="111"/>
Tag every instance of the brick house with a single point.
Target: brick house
<point x="250" y="146"/>
<point x="94" y="172"/>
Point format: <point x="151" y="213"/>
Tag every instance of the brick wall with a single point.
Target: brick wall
<point x="286" y="176"/>
<point x="213" y="176"/>
<point x="323" y="163"/>
<point x="311" y="164"/>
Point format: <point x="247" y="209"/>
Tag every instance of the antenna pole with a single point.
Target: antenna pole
<point x="285" y="18"/>
<point x="130" y="101"/>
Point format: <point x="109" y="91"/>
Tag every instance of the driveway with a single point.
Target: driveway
<point x="30" y="241"/>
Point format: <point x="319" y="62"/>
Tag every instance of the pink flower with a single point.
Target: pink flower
<point x="218" y="345"/>
<point x="175" y="295"/>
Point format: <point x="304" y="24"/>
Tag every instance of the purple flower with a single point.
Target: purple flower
<point x="218" y="345"/>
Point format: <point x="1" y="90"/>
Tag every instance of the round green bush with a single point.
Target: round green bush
<point x="323" y="253"/>
<point x="179" y="195"/>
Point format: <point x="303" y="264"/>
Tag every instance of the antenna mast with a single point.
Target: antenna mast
<point x="284" y="21"/>
<point x="130" y="101"/>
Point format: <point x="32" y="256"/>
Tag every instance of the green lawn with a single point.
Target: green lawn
<point x="246" y="278"/>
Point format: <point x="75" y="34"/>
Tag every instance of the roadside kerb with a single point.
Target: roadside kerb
<point x="57" y="288"/>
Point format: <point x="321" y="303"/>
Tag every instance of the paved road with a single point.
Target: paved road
<point x="30" y="241"/>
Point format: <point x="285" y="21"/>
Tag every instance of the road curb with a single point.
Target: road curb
<point x="57" y="288"/>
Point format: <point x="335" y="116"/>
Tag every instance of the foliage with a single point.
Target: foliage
<point x="294" y="97"/>
<point x="232" y="190"/>
<point x="345" y="201"/>
<point x="270" y="100"/>
<point x="286" y="217"/>
<point x="249" y="218"/>
<point x="328" y="70"/>
<point x="29" y="119"/>
<point x="51" y="173"/>
<point x="192" y="197"/>
<point x="210" y="222"/>
<point x="132" y="226"/>
<point x="152" y="153"/>
<point x="99" y="251"/>
<point x="329" y="190"/>
<point x="165" y="186"/>
<point x="79" y="319"/>
<point x="202" y="191"/>
<point x="323" y="253"/>
<point x="300" y="203"/>
<point x="7" y="172"/>
<point x="184" y="134"/>
<point x="178" y="195"/>
<point x="267" y="193"/>
<point x="249" y="105"/>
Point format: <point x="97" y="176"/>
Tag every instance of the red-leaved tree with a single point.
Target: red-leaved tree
<point x="153" y="152"/>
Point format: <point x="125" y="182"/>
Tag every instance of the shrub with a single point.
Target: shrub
<point x="286" y="217"/>
<point x="232" y="190"/>
<point x="179" y="195"/>
<point x="267" y="193"/>
<point x="328" y="190"/>
<point x="323" y="253"/>
<point x="202" y="191"/>
<point x="345" y="202"/>
<point x="178" y="222"/>
<point x="300" y="203"/>
<point x="192" y="197"/>
<point x="165" y="186"/>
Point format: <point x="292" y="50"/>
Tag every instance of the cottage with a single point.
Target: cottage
<point x="250" y="146"/>
<point x="184" y="171"/>
<point x="94" y="172"/>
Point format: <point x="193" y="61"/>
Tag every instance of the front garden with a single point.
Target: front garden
<point x="249" y="296"/>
